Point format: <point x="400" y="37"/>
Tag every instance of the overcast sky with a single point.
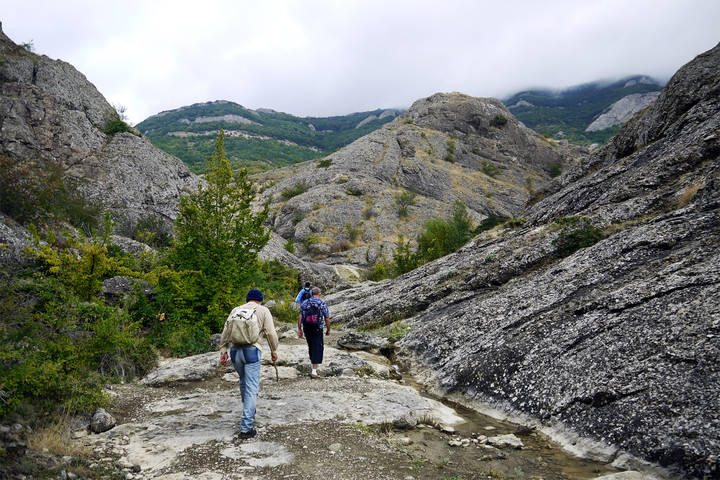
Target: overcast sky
<point x="334" y="57"/>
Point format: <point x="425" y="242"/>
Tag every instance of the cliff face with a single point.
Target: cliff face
<point x="447" y="147"/>
<point x="618" y="341"/>
<point x="51" y="116"/>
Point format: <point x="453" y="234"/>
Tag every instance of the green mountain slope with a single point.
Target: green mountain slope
<point x="257" y="139"/>
<point x="570" y="111"/>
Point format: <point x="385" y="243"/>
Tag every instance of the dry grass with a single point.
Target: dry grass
<point x="57" y="440"/>
<point x="427" y="419"/>
<point x="684" y="198"/>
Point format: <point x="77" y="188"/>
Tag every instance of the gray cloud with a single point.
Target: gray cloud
<point x="324" y="58"/>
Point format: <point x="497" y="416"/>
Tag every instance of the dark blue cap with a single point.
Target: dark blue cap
<point x="254" y="294"/>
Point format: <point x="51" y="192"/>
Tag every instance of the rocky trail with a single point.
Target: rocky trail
<point x="361" y="419"/>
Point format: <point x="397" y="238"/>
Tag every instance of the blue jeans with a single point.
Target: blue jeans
<point x="246" y="361"/>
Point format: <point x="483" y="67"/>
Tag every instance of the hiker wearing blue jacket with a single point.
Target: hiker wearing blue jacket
<point x="314" y="316"/>
<point x="303" y="294"/>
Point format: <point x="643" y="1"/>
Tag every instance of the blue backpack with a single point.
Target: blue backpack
<point x="307" y="293"/>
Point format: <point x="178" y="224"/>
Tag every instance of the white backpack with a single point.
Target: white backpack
<point x="244" y="326"/>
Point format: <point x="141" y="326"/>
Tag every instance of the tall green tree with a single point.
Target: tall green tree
<point x="218" y="237"/>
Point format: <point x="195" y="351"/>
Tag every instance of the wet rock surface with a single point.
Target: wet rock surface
<point x="617" y="342"/>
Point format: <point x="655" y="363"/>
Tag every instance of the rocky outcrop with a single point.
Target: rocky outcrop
<point x="618" y="341"/>
<point x="345" y="208"/>
<point x="622" y="110"/>
<point x="321" y="275"/>
<point x="52" y="118"/>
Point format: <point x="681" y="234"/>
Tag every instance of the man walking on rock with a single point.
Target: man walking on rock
<point x="246" y="356"/>
<point x="314" y="315"/>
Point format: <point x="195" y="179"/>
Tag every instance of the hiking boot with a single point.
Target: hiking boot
<point x="249" y="434"/>
<point x="314" y="375"/>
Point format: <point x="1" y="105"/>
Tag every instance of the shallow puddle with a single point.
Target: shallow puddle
<point x="539" y="458"/>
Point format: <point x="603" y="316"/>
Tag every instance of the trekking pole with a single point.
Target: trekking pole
<point x="277" y="376"/>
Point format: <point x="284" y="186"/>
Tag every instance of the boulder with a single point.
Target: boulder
<point x="505" y="441"/>
<point x="188" y="369"/>
<point x="102" y="421"/>
<point x="119" y="288"/>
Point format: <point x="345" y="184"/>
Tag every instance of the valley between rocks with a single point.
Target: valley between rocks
<point x="360" y="420"/>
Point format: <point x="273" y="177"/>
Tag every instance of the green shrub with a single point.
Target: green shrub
<point x="283" y="312"/>
<point x="41" y="194"/>
<point x="489" y="223"/>
<point x="368" y="212"/>
<point x="575" y="233"/>
<point x="555" y="170"/>
<point x="57" y="352"/>
<point x="529" y="186"/>
<point x="403" y="200"/>
<point x="381" y="270"/>
<point x="439" y="238"/>
<point x="151" y="230"/>
<point x="490" y="169"/>
<point x="117" y="126"/>
<point x="498" y="121"/>
<point x="297" y="189"/>
<point x="450" y="154"/>
<point x="324" y="163"/>
<point x="408" y="121"/>
<point x="516" y="222"/>
<point x="396" y="331"/>
<point x="354" y="191"/>
<point x="404" y="258"/>
<point x="354" y="233"/>
<point x="290" y="245"/>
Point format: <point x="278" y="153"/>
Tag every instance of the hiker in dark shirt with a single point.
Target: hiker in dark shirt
<point x="314" y="315"/>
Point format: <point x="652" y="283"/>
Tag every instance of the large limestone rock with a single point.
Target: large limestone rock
<point x="324" y="276"/>
<point x="446" y="147"/>
<point x="618" y="341"/>
<point x="52" y="118"/>
<point x="622" y="110"/>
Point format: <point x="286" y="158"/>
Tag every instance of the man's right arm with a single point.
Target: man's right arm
<point x="224" y="340"/>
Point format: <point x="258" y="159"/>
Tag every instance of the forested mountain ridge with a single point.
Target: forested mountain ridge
<point x="569" y="112"/>
<point x="259" y="139"/>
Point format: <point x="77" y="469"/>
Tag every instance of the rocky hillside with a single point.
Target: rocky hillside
<point x="351" y="206"/>
<point x="259" y="139"/>
<point x="585" y="113"/>
<point x="52" y="119"/>
<point x="618" y="341"/>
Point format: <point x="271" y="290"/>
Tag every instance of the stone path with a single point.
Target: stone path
<point x="360" y="420"/>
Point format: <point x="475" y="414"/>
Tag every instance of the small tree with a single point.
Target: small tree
<point x="218" y="238"/>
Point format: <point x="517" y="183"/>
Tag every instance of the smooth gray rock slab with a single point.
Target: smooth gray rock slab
<point x="188" y="369"/>
<point x="361" y="341"/>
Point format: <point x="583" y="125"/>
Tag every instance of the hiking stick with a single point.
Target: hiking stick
<point x="277" y="375"/>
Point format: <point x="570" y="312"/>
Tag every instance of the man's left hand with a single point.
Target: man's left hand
<point x="224" y="358"/>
